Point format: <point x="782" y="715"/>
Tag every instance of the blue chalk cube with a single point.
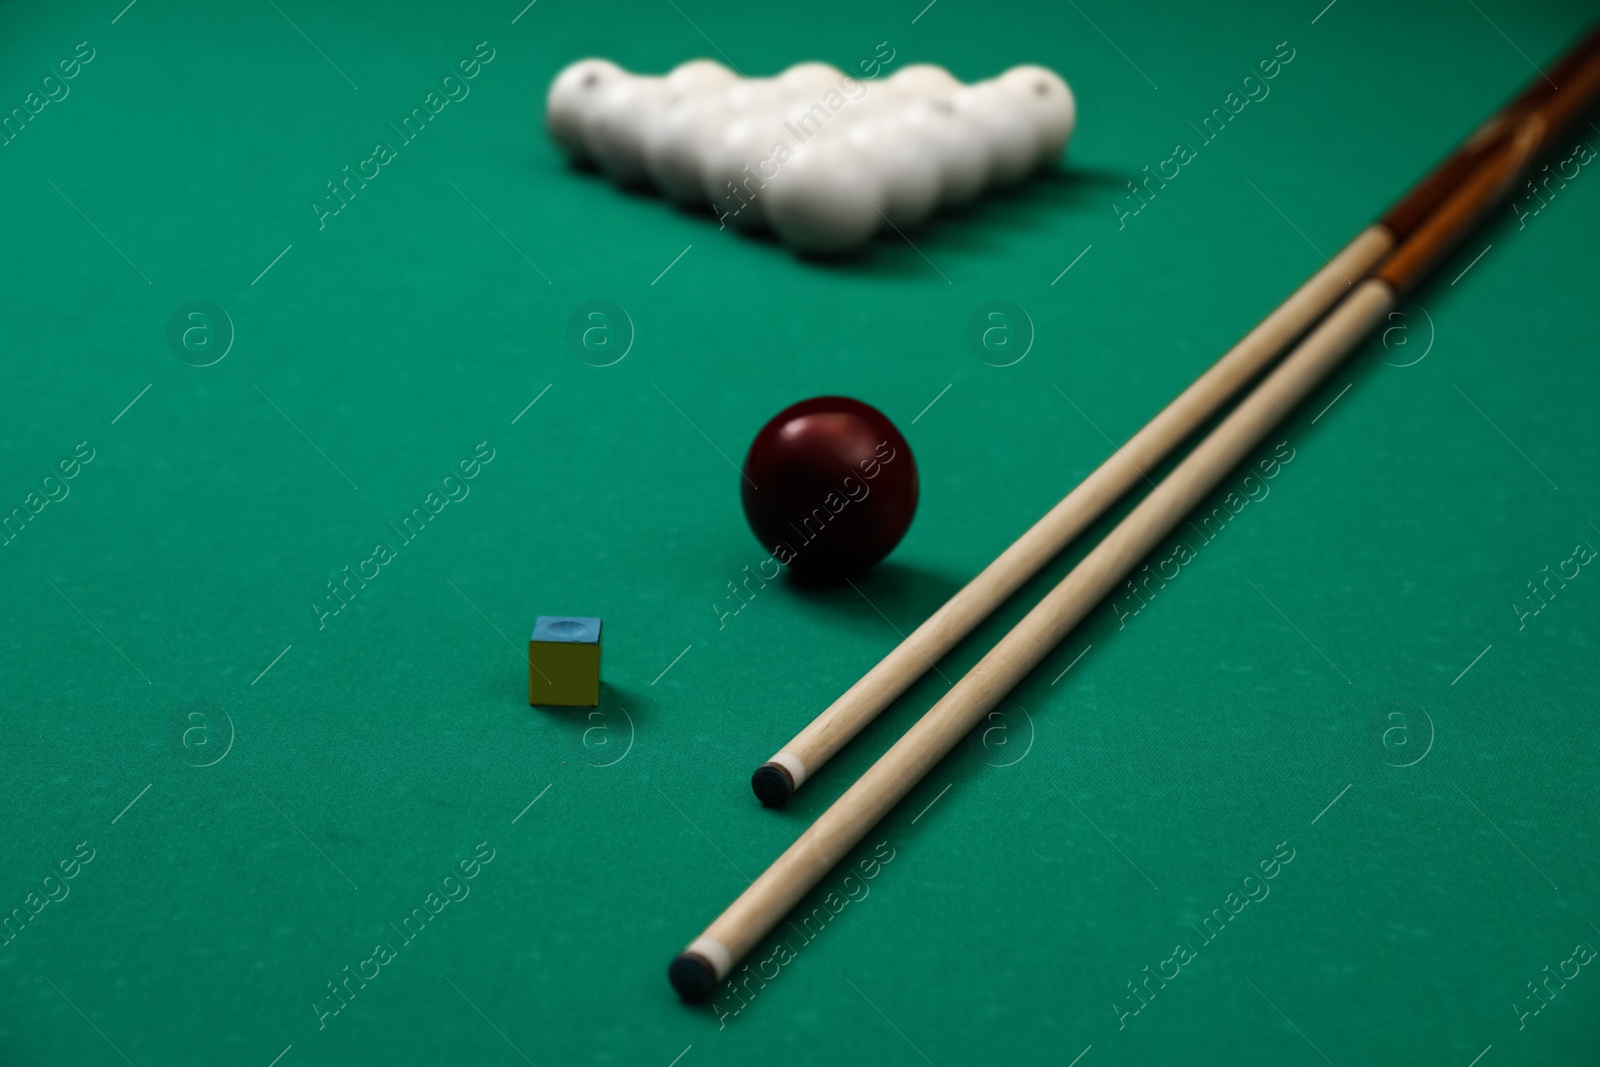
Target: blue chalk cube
<point x="564" y="661"/>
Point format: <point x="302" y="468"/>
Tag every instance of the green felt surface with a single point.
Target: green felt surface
<point x="1358" y="616"/>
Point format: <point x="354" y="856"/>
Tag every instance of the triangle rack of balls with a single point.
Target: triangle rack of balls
<point x="822" y="159"/>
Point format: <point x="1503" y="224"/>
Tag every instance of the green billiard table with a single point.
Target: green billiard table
<point x="326" y="375"/>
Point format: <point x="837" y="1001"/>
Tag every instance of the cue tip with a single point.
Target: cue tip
<point x="692" y="975"/>
<point x="773" y="784"/>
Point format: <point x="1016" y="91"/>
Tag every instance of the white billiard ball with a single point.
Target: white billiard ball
<point x="904" y="165"/>
<point x="1051" y="102"/>
<point x="1006" y="127"/>
<point x="879" y="97"/>
<point x="676" y="147"/>
<point x="863" y="101"/>
<point x="751" y="95"/>
<point x="614" y="129"/>
<point x="804" y="119"/>
<point x="572" y="96"/>
<point x="821" y="201"/>
<point x="959" y="152"/>
<point x="810" y="81"/>
<point x="731" y="175"/>
<point x="699" y="76"/>
<point x="923" y="80"/>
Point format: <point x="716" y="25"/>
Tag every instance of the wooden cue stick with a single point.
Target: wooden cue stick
<point x="710" y="957"/>
<point x="775" y="781"/>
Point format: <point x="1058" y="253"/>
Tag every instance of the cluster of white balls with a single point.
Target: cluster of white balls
<point x="820" y="158"/>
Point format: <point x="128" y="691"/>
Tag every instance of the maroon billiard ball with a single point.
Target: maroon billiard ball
<point x="829" y="487"/>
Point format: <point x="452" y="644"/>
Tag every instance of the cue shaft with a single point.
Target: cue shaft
<point x="776" y="780"/>
<point x="842" y="826"/>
